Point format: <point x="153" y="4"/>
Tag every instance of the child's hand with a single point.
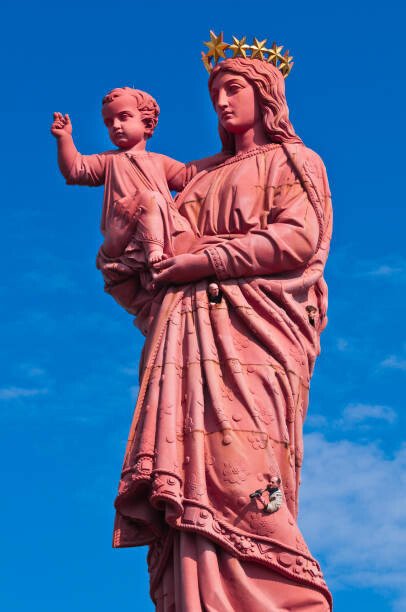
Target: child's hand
<point x="120" y="216"/>
<point x="61" y="126"/>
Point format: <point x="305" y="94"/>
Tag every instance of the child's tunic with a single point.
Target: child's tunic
<point x="126" y="174"/>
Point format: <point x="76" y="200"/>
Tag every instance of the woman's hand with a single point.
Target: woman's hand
<point x="181" y="269"/>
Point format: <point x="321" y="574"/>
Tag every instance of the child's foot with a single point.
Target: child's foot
<point x="155" y="256"/>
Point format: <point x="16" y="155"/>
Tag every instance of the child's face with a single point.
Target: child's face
<point x="123" y="121"/>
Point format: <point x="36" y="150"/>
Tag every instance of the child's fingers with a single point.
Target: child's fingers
<point x="67" y="119"/>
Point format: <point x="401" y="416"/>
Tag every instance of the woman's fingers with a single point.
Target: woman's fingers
<point x="162" y="278"/>
<point x="164" y="264"/>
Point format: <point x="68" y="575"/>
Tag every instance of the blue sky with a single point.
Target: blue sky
<point x="70" y="355"/>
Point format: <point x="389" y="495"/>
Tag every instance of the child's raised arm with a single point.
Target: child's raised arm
<point x="76" y="168"/>
<point x="61" y="128"/>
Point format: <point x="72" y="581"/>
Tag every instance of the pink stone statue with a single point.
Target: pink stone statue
<point x="232" y="332"/>
<point x="139" y="217"/>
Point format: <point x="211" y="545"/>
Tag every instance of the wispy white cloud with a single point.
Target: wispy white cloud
<point x="128" y="371"/>
<point x="394" y="362"/>
<point x="346" y="261"/>
<point x="360" y="413"/>
<point x="354" y="416"/>
<point x="10" y="393"/>
<point x="387" y="267"/>
<point x="385" y="270"/>
<point x="32" y="371"/>
<point x="400" y="604"/>
<point x="317" y="421"/>
<point x="134" y="392"/>
<point x="53" y="282"/>
<point x="49" y="273"/>
<point x="353" y="512"/>
<point x="342" y="344"/>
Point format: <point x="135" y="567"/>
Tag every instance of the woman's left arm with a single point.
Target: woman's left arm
<point x="290" y="237"/>
<point x="287" y="243"/>
<point x="181" y="269"/>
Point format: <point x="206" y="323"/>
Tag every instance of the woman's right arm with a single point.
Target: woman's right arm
<point x="179" y="174"/>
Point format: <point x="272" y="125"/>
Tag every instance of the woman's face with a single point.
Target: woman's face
<point x="235" y="103"/>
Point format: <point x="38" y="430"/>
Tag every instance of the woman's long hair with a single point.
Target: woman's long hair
<point x="269" y="87"/>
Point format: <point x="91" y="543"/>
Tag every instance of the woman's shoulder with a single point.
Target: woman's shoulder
<point x="303" y="156"/>
<point x="296" y="160"/>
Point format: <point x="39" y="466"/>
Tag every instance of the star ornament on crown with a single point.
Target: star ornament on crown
<point x="217" y="49"/>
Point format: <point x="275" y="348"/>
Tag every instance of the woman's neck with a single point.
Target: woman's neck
<point x="251" y="139"/>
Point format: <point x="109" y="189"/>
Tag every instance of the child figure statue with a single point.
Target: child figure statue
<point x="138" y="207"/>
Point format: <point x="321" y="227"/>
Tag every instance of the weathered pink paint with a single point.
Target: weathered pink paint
<point x="224" y="385"/>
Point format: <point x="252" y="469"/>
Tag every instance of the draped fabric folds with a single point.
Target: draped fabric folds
<point x="224" y="390"/>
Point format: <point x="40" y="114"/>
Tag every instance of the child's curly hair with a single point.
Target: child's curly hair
<point x="146" y="104"/>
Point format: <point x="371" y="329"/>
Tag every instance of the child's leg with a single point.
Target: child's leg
<point x="120" y="225"/>
<point x="150" y="225"/>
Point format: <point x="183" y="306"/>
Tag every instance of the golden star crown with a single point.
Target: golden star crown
<point x="217" y="49"/>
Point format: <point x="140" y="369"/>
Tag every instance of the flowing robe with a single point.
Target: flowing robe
<point x="224" y="390"/>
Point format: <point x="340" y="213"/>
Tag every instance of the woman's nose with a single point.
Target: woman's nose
<point x="222" y="99"/>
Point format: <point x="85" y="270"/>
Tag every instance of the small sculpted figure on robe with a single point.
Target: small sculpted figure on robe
<point x="275" y="497"/>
